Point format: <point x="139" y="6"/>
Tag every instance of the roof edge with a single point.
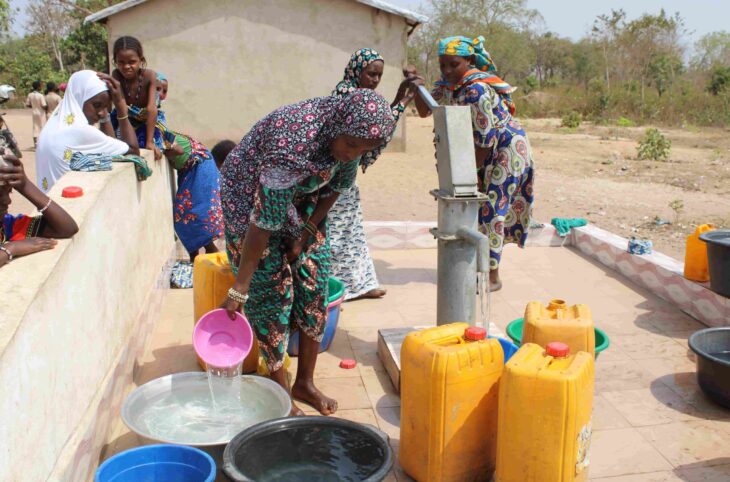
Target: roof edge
<point x="413" y="17"/>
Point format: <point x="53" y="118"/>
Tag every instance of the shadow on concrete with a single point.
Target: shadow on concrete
<point x="167" y="360"/>
<point x="717" y="469"/>
<point x="389" y="275"/>
<point x="687" y="407"/>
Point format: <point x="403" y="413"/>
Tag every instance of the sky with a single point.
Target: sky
<point x="573" y="18"/>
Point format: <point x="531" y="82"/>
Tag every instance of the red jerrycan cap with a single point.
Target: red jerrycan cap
<point x="475" y="333"/>
<point x="557" y="349"/>
<point x="72" y="191"/>
<point x="348" y="364"/>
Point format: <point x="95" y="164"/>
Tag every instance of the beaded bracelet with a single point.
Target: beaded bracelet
<point x="237" y="296"/>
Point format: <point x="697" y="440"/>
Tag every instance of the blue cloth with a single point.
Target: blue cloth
<point x="181" y="275"/>
<point x="640" y="246"/>
<point x="197" y="210"/>
<point x="103" y="162"/>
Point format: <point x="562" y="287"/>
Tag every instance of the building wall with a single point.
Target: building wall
<point x="231" y="62"/>
<point x="67" y="316"/>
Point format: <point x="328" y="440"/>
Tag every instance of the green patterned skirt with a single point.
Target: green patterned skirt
<point x="283" y="296"/>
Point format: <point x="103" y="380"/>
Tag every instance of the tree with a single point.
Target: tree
<point x="6" y="17"/>
<point x="650" y="39"/>
<point x="50" y="21"/>
<point x="86" y="44"/>
<point x="606" y="30"/>
<point x="719" y="80"/>
<point x="662" y="70"/>
<point x="711" y="50"/>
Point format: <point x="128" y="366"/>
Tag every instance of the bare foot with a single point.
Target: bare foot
<point x="495" y="283"/>
<point x="295" y="411"/>
<point x="372" y="294"/>
<point x="307" y="392"/>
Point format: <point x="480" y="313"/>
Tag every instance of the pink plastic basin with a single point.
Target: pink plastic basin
<point x="221" y="342"/>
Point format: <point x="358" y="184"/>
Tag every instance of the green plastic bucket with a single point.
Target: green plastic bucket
<point x="514" y="331"/>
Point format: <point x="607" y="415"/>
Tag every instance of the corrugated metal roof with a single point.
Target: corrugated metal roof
<point x="412" y="17"/>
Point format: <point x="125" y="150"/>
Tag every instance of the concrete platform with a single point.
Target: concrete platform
<point x="651" y="421"/>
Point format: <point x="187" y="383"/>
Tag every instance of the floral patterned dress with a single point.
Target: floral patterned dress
<point x="507" y="173"/>
<point x="274" y="179"/>
<point x="197" y="211"/>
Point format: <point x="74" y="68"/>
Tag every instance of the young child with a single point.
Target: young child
<point x="162" y="86"/>
<point x="22" y="235"/>
<point x="220" y="151"/>
<point x="139" y="85"/>
<point x="197" y="208"/>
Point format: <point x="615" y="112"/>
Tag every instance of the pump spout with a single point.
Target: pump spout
<point x="480" y="242"/>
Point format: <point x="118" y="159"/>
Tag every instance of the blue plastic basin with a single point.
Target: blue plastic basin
<point x="508" y="347"/>
<point x="334" y="301"/>
<point x="158" y="463"/>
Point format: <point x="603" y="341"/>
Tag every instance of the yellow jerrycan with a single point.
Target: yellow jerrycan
<point x="557" y="321"/>
<point x="545" y="404"/>
<point x="696" y="267"/>
<point x="212" y="277"/>
<point x="449" y="392"/>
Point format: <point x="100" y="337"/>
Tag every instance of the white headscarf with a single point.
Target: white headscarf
<point x="68" y="131"/>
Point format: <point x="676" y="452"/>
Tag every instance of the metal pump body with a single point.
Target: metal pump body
<point x="462" y="249"/>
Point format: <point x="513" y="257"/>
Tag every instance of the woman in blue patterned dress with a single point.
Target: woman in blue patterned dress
<point x="503" y="153"/>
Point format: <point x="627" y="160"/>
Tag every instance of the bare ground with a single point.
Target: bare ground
<point x="589" y="172"/>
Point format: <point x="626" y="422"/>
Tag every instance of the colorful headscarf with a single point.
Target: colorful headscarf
<point x="467" y="47"/>
<point x="161" y="77"/>
<point x="359" y="60"/>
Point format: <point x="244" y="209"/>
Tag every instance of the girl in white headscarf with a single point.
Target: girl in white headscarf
<point x="71" y="127"/>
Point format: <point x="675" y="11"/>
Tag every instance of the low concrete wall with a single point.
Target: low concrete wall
<point x="67" y="317"/>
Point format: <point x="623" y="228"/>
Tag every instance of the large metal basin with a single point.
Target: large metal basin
<point x="266" y="399"/>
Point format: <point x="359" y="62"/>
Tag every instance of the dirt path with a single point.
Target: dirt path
<point x="590" y="172"/>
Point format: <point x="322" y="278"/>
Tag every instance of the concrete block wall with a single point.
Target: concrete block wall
<point x="67" y="317"/>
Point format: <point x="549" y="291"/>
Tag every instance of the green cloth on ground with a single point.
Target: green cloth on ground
<point x="564" y="225"/>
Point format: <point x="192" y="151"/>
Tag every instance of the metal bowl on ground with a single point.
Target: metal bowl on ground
<point x="178" y="409"/>
<point x="306" y="449"/>
<point x="712" y="347"/>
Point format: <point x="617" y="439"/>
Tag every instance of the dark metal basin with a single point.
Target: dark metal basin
<point x="712" y="346"/>
<point x="296" y="449"/>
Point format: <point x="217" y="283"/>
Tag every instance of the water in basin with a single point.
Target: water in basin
<point x="193" y="409"/>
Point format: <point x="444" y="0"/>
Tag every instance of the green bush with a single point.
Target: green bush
<point x="654" y="146"/>
<point x="624" y="122"/>
<point x="571" y="120"/>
